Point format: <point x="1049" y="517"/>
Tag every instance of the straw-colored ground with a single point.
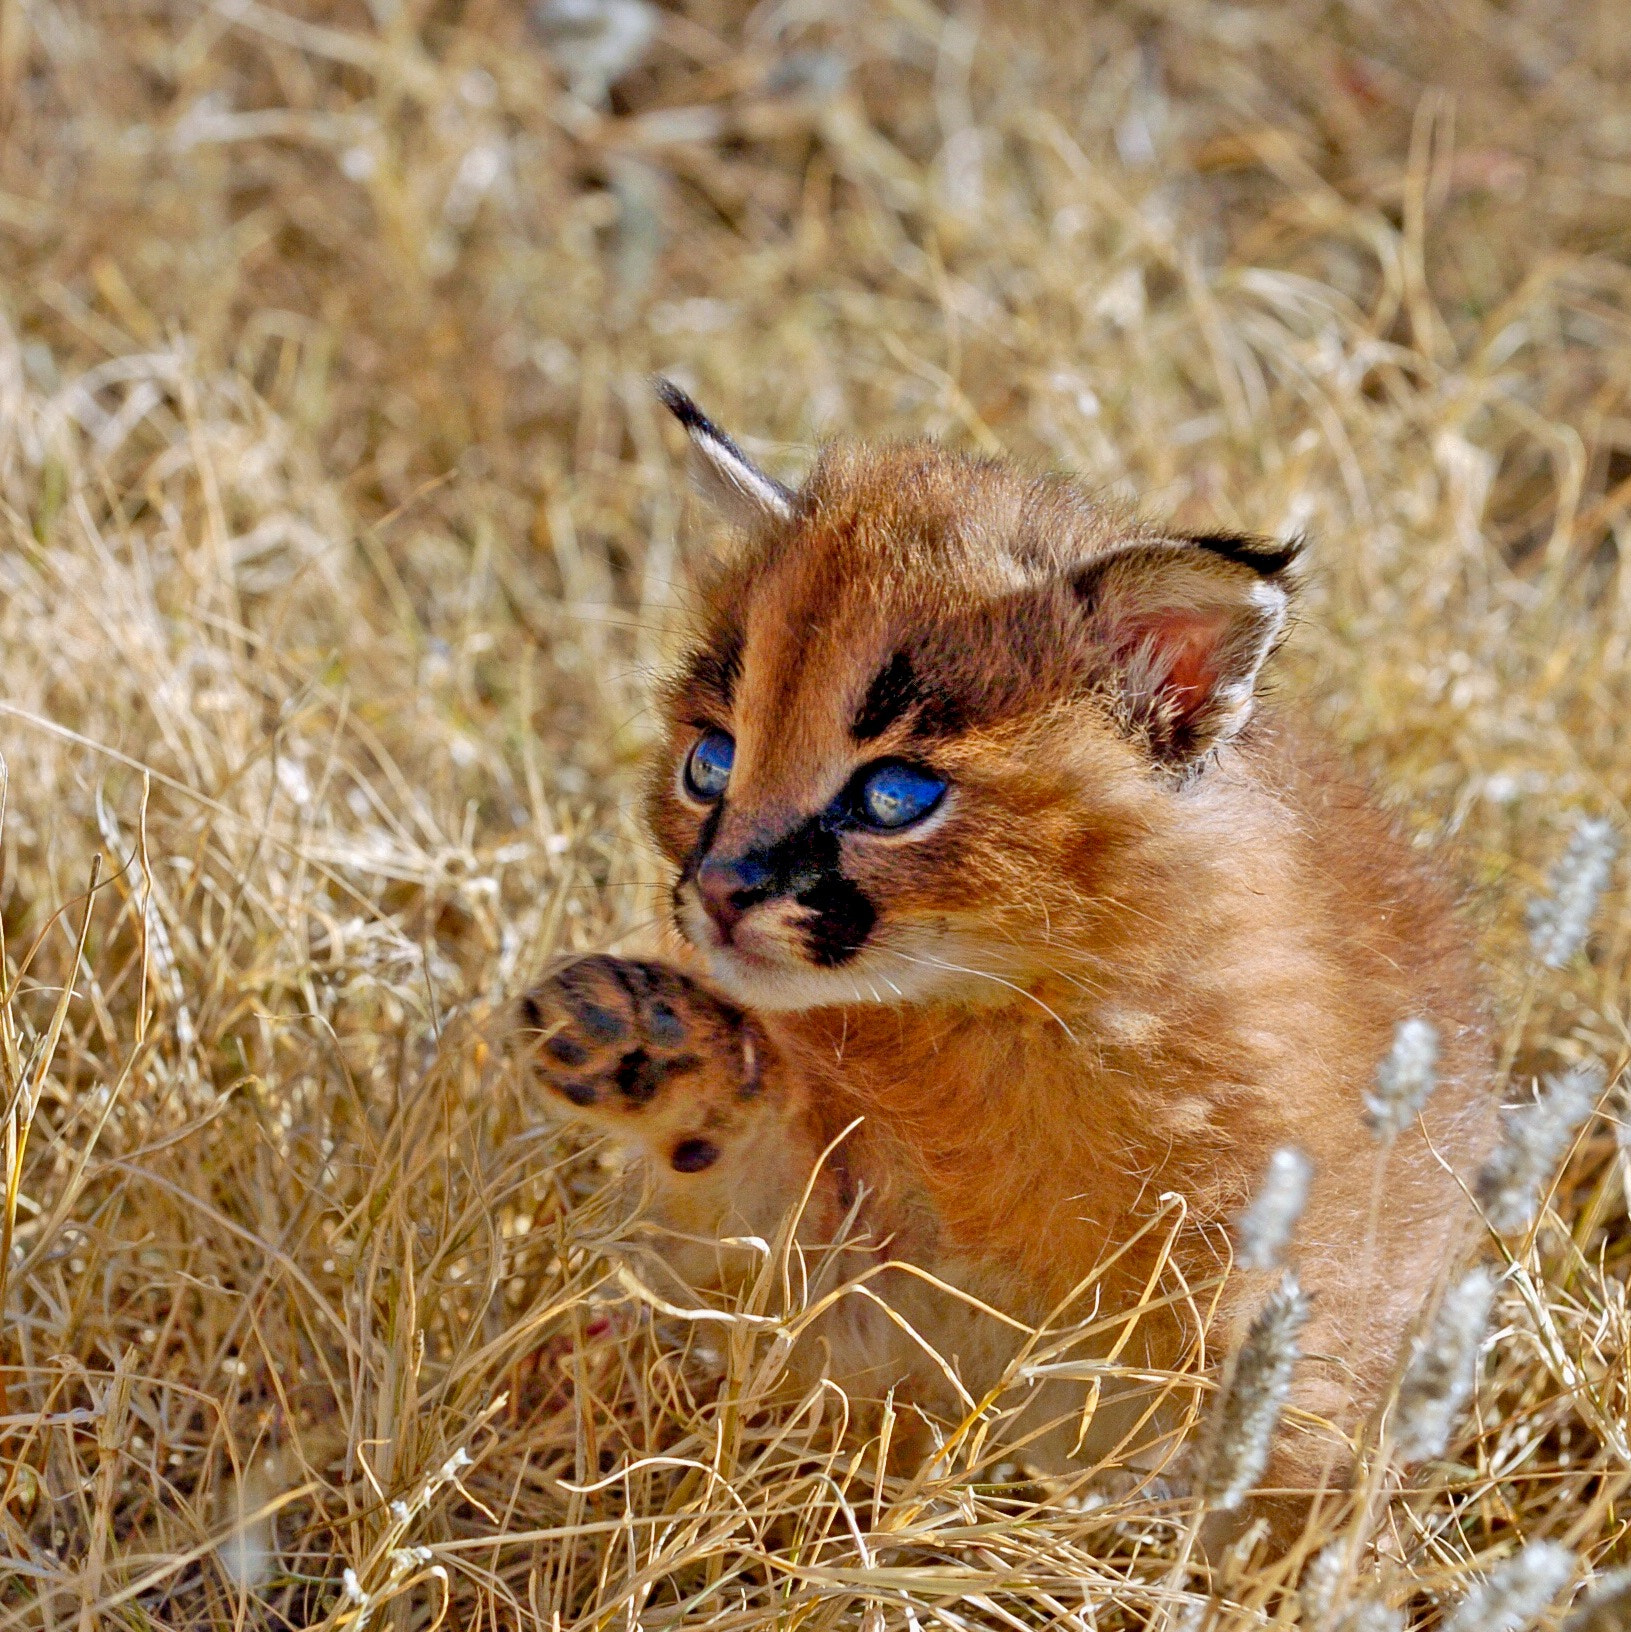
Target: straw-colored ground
<point x="339" y="542"/>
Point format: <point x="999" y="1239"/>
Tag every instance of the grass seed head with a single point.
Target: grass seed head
<point x="1515" y="1593"/>
<point x="1606" y="1607"/>
<point x="1442" y="1369"/>
<point x="1256" y="1393"/>
<point x="1534" y="1137"/>
<point x="1560" y="920"/>
<point x="1367" y="1614"/>
<point x="1322" y="1578"/>
<point x="1407" y="1075"/>
<point x="1326" y="1607"/>
<point x="1265" y="1228"/>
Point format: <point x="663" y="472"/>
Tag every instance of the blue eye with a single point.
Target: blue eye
<point x="895" y="795"/>
<point x="708" y="767"/>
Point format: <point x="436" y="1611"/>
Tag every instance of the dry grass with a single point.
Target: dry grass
<point x="339" y="542"/>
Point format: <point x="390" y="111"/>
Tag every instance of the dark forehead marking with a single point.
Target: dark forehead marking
<point x="902" y="688"/>
<point x="714" y="670"/>
<point x="893" y="691"/>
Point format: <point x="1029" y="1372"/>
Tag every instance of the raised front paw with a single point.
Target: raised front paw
<point x="643" y="1050"/>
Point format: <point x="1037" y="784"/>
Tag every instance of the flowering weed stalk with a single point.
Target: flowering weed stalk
<point x="1256" y="1394"/>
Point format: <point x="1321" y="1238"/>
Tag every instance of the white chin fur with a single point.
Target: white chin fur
<point x="766" y="987"/>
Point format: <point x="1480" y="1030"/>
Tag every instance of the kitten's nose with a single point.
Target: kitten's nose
<point x="729" y="888"/>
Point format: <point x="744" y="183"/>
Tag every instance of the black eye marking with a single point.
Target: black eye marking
<point x="798" y="861"/>
<point x="1265" y="556"/>
<point x="699" y="850"/>
<point x="693" y="1155"/>
<point x="899" y="689"/>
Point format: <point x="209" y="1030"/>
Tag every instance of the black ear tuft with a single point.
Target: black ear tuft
<point x="685" y="410"/>
<point x="1264" y="556"/>
<point x="724" y="473"/>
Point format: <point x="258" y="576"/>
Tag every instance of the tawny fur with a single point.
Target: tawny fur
<point x="1150" y="936"/>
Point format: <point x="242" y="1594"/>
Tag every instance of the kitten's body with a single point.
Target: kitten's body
<point x="1142" y="941"/>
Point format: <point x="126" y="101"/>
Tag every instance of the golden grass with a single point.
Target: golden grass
<point x="340" y="540"/>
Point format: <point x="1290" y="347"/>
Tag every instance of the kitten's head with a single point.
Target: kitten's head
<point x="932" y="706"/>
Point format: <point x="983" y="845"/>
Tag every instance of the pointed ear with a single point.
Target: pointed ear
<point x="1184" y="627"/>
<point x="722" y="472"/>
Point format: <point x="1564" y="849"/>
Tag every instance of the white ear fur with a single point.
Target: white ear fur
<point x="1235" y="699"/>
<point x="722" y="472"/>
<point x="1189" y="632"/>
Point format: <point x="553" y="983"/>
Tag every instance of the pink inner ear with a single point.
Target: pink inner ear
<point x="1183" y="643"/>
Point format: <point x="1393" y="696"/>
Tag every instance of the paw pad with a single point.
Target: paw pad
<point x="693" y="1155"/>
<point x="638" y="1040"/>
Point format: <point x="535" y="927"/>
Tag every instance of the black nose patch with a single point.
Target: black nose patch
<point x="842" y="916"/>
<point x="803" y="864"/>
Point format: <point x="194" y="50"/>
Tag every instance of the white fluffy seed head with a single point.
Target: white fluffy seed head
<point x="1560" y="920"/>
<point x="1513" y="1594"/>
<point x="595" y="42"/>
<point x="1407" y="1075"/>
<point x="1367" y="1615"/>
<point x="1251" y="1404"/>
<point x="454" y="1465"/>
<point x="353" y="1591"/>
<point x="1533" y="1138"/>
<point x="1443" y="1368"/>
<point x="403" y="1559"/>
<point x="1322" y="1578"/>
<point x="1607" y="1607"/>
<point x="1264" y="1229"/>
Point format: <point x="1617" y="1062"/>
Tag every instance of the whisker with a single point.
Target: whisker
<point x="985" y="974"/>
<point x="1092" y="988"/>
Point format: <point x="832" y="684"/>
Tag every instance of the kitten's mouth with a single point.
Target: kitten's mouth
<point x="764" y="959"/>
<point x="750" y="943"/>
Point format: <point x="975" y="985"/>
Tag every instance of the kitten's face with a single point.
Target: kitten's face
<point x="895" y="766"/>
